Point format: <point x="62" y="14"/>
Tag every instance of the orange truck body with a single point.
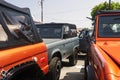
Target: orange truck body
<point x="23" y="54"/>
<point x="104" y="53"/>
<point x="15" y="56"/>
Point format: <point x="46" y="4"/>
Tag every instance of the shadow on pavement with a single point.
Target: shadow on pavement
<point x="74" y="76"/>
<point x="66" y="63"/>
<point x="81" y="56"/>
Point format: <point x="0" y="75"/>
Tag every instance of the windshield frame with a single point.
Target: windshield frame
<point x="110" y="19"/>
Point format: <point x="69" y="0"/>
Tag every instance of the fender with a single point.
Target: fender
<point x="76" y="48"/>
<point x="10" y="74"/>
<point x="55" y="51"/>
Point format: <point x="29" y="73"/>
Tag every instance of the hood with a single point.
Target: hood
<point x="47" y="41"/>
<point x="112" y="49"/>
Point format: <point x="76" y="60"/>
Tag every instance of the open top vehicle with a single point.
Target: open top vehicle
<point x="23" y="55"/>
<point x="103" y="58"/>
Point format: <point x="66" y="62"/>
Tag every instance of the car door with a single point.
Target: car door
<point x="83" y="41"/>
<point x="67" y="40"/>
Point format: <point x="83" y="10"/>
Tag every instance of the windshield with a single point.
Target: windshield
<point x="48" y="31"/>
<point x="109" y="26"/>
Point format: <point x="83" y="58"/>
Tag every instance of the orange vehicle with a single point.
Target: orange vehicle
<point x="23" y="55"/>
<point x="103" y="58"/>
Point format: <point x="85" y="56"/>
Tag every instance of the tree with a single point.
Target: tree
<point x="104" y="6"/>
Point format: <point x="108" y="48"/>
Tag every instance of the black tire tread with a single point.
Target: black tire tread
<point x="53" y="64"/>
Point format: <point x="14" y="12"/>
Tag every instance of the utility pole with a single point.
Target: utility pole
<point x="109" y="4"/>
<point x="41" y="4"/>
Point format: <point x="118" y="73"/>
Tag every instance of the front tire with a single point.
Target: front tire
<point x="90" y="72"/>
<point x="86" y="63"/>
<point x="55" y="69"/>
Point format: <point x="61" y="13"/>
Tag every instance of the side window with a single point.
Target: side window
<point x="19" y="26"/>
<point x="66" y="29"/>
<point x="5" y="41"/>
<point x="73" y="32"/>
<point x="70" y="31"/>
<point x="66" y="33"/>
<point x="3" y="35"/>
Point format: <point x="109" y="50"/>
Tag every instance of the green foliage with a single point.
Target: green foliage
<point x="104" y="6"/>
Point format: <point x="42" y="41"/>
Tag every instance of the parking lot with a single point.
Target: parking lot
<point x="73" y="72"/>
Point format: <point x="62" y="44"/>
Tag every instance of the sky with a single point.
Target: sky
<point x="61" y="11"/>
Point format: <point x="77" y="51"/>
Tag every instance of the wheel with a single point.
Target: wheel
<point x="55" y="69"/>
<point x="90" y="73"/>
<point x="73" y="58"/>
<point x="86" y="63"/>
<point x="31" y="72"/>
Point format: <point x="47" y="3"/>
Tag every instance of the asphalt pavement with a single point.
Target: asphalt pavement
<point x="73" y="72"/>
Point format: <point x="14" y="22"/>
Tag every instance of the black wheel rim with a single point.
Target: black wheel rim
<point x="58" y="70"/>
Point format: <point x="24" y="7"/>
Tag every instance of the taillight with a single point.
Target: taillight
<point x="43" y="59"/>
